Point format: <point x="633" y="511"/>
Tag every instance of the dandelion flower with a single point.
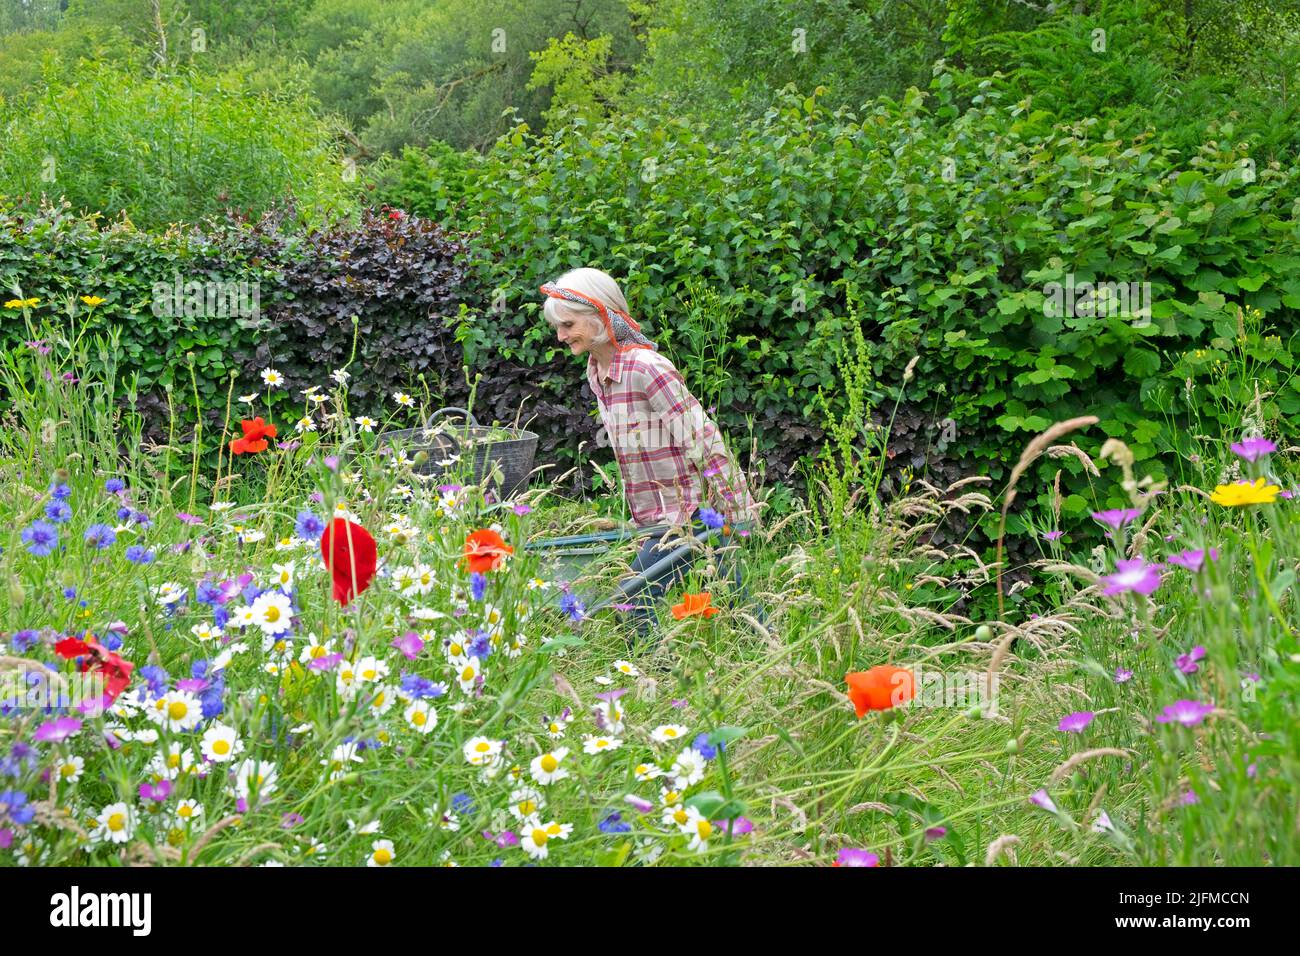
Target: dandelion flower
<point x="1240" y="493"/>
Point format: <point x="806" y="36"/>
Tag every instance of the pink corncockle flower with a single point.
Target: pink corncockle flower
<point x="410" y="644"/>
<point x="1187" y="662"/>
<point x="290" y="820"/>
<point x="739" y="826"/>
<point x="640" y="805"/>
<point x="623" y="606"/>
<point x="1077" y="722"/>
<point x="332" y="462"/>
<point x="1132" y="575"/>
<point x="1189" y="713"/>
<point x="522" y="509"/>
<point x="242" y="804"/>
<point x="503" y="839"/>
<point x="1116" y="517"/>
<point x="1252" y="449"/>
<point x="194" y="685"/>
<point x="1188" y="798"/>
<point x="849" y="857"/>
<point x="677" y="702"/>
<point x="93" y="707"/>
<point x="1052" y="535"/>
<point x="1039" y="798"/>
<point x="186" y="518"/>
<point x="158" y="792"/>
<point x="57" y="730"/>
<point x="1193" y="560"/>
<point x="935" y="833"/>
<point x="1123" y="675"/>
<point x="448" y="489"/>
<point x="6" y="838"/>
<point x="612" y="695"/>
<point x="326" y="663"/>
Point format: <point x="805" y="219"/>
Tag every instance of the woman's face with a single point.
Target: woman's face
<point x="575" y="333"/>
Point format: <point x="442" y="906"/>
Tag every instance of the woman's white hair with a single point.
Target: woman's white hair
<point x="594" y="284"/>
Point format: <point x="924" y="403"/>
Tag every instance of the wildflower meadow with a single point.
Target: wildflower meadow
<point x="359" y="359"/>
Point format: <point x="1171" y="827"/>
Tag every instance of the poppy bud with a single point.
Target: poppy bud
<point x="974" y="712"/>
<point x="61" y="475"/>
<point x="420" y="457"/>
<point x="1013" y="746"/>
<point x="69" y="578"/>
<point x="983" y="633"/>
<point x="16" y="593"/>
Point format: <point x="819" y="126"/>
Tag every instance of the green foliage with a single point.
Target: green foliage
<point x="578" y="72"/>
<point x="172" y="149"/>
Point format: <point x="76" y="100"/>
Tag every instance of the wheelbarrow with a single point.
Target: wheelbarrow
<point x="577" y="551"/>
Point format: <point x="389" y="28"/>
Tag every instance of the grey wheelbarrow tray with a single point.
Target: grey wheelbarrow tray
<point x="588" y="547"/>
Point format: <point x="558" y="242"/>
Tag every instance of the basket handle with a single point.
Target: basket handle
<point x="469" y="416"/>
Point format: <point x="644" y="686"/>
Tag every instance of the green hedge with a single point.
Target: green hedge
<point x="950" y="213"/>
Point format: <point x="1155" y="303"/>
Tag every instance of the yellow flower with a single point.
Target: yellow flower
<point x="92" y="300"/>
<point x="1245" y="493"/>
<point x="22" y="303"/>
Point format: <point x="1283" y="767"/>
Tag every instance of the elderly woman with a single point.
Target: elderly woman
<point x="675" y="467"/>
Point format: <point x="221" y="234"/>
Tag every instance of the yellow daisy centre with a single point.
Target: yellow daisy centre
<point x="272" y="614"/>
<point x="185" y="811"/>
<point x="221" y="747"/>
<point x="383" y="857"/>
<point x="540" y="836"/>
<point x="419" y="718"/>
<point x="681" y="816"/>
<point x="549" y="763"/>
<point x="482" y="747"/>
<point x="317" y="651"/>
<point x="117" y="822"/>
<point x="467" y="674"/>
<point x="173" y="761"/>
<point x="669" y="732"/>
<point x="527" y="806"/>
<point x="68" y="770"/>
<point x="368" y="674"/>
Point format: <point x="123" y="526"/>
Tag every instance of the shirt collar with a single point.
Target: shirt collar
<point x="615" y="371"/>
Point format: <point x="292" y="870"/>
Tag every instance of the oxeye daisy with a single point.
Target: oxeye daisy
<point x="282" y="575"/>
<point x="176" y="711"/>
<point x="115" y="824"/>
<point x="381" y="853"/>
<point x="273" y="612"/>
<point x="272" y="377"/>
<point x="648" y="771"/>
<point x="482" y="751"/>
<point x="220" y="743"/>
<point x="667" y="733"/>
<point x="555" y="727"/>
<point x="365" y="423"/>
<point x="688" y="768"/>
<point x="546" y="769"/>
<point x="467" y="674"/>
<point x="189" y="811"/>
<point x="69" y="769"/>
<point x="421" y="716"/>
<point x="401" y="398"/>
<point x="255" y="776"/>
<point x="598" y="743"/>
<point x="625" y="667"/>
<point x="525" y="802"/>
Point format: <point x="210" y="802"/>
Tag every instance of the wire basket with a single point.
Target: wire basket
<point x="506" y="462"/>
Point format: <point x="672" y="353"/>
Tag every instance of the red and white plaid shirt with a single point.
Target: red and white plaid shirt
<point x="670" y="453"/>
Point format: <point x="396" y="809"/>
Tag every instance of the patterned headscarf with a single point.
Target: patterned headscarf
<point x="623" y="330"/>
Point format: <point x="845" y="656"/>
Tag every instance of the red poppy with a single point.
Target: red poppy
<point x="693" y="604"/>
<point x="485" y="551"/>
<point x="116" y="672"/>
<point x="349" y="552"/>
<point x="880" y="688"/>
<point x="71" y="647"/>
<point x="256" y="432"/>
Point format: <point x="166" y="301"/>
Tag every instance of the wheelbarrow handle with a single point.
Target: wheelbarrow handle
<point x="620" y="534"/>
<point x="469" y="416"/>
<point x="659" y="569"/>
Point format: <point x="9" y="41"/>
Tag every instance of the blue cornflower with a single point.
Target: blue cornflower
<point x="211" y="699"/>
<point x="309" y="527"/>
<point x="41" y="538"/>
<point x="139" y="554"/>
<point x="111" y="641"/>
<point x="23" y="641"/>
<point x="497" y="862"/>
<point x="570" y="605"/>
<point x="100" y="536"/>
<point x="123" y="513"/>
<point x="114" y="485"/>
<point x="19" y="811"/>
<point x="60" y="491"/>
<point x="480" y="645"/>
<point x="142" y="519"/>
<point x="70" y="593"/>
<point x="199" y="669"/>
<point x="462" y="803"/>
<point x="157" y="679"/>
<point x="21" y="757"/>
<point x="477" y="585"/>
<point x="417" y="686"/>
<point x="220" y="616"/>
<point x="711" y="518"/>
<point x="707" y="750"/>
<point x="614" y="823"/>
<point x="58" y="511"/>
<point x="208" y="592"/>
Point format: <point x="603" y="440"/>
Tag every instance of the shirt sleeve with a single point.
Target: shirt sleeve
<point x="681" y="418"/>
